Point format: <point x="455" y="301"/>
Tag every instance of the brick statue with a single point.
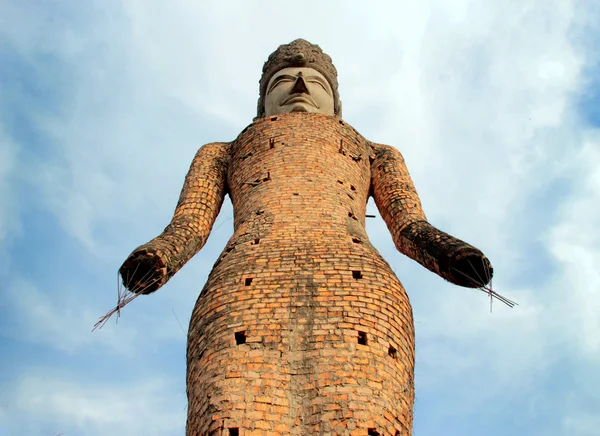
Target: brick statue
<point x="302" y="327"/>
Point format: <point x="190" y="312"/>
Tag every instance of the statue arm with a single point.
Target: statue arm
<point x="151" y="265"/>
<point x="399" y="204"/>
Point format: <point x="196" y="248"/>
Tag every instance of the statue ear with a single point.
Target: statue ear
<point x="339" y="108"/>
<point x="260" y="109"/>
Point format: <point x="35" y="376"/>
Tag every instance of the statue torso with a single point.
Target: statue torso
<point x="300" y="278"/>
<point x="299" y="173"/>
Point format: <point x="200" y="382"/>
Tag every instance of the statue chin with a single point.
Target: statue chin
<point x="299" y="108"/>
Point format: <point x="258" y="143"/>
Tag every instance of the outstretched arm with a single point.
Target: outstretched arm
<point x="400" y="207"/>
<point x="151" y="265"/>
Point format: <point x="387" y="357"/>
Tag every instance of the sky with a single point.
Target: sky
<point x="494" y="105"/>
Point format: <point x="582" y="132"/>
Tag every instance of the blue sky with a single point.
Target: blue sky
<point x="495" y="106"/>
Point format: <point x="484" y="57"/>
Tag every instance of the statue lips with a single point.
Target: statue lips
<point x="299" y="98"/>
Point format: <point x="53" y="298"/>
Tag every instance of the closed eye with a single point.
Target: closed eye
<point x="287" y="78"/>
<point x="280" y="80"/>
<point x="321" y="84"/>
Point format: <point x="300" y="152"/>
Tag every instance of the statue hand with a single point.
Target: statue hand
<point x="144" y="271"/>
<point x="470" y="268"/>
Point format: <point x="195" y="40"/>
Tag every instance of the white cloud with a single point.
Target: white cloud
<point x="581" y="424"/>
<point x="575" y="244"/>
<point x="8" y="202"/>
<point x="41" y="403"/>
<point x="62" y="320"/>
<point x="478" y="97"/>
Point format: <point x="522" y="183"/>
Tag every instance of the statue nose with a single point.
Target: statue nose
<point x="300" y="87"/>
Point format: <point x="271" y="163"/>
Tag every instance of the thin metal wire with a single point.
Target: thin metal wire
<point x="124" y="298"/>
<point x="488" y="290"/>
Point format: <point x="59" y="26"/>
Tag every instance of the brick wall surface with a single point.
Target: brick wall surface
<point x="300" y="284"/>
<point x="302" y="327"/>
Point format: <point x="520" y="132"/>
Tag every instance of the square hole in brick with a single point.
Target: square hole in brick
<point x="234" y="431"/>
<point x="356" y="240"/>
<point x="357" y="275"/>
<point x="248" y="281"/>
<point x="373" y="432"/>
<point x="274" y="119"/>
<point x="362" y="338"/>
<point x="256" y="241"/>
<point x="240" y="338"/>
<point x="392" y="352"/>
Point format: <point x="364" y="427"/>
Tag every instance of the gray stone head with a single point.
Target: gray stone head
<point x="295" y="61"/>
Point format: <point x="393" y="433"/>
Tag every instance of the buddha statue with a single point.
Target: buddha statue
<point x="302" y="327"/>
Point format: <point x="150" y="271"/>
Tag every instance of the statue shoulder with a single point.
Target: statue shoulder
<point x="384" y="151"/>
<point x="215" y="147"/>
<point x="213" y="154"/>
<point x="216" y="150"/>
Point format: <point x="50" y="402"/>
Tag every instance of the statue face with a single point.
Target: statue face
<point x="298" y="89"/>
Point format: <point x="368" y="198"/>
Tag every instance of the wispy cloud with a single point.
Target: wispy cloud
<point x="107" y="104"/>
<point x="9" y="223"/>
<point x="60" y="320"/>
<point x="70" y="404"/>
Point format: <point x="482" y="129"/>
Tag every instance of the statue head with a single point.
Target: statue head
<point x="299" y="77"/>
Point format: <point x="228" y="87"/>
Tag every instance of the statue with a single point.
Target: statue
<point x="302" y="327"/>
